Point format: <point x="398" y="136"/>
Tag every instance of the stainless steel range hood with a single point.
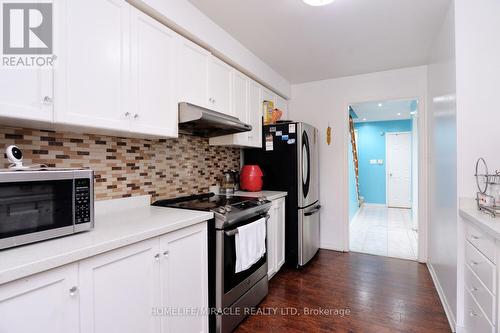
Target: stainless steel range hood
<point x="199" y="121"/>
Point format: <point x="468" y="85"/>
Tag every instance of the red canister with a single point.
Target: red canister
<point x="251" y="178"/>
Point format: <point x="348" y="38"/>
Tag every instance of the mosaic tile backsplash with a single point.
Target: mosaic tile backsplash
<point x="163" y="168"/>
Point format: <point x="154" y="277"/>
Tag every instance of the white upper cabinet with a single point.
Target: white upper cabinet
<point x="282" y="104"/>
<point x="153" y="52"/>
<point x="192" y="74"/>
<point x="26" y="94"/>
<point x="45" y="302"/>
<point x="219" y="86"/>
<point x="255" y="114"/>
<point x="92" y="74"/>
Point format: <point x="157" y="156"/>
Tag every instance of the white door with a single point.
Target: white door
<point x="91" y="76"/>
<point x="26" y="93"/>
<point x="153" y="50"/>
<point x="280" y="233"/>
<point x="45" y="302"/>
<point x="192" y="73"/>
<point x="119" y="290"/>
<point x="219" y="86"/>
<point x="184" y="279"/>
<point x="398" y="170"/>
<point x="255" y="114"/>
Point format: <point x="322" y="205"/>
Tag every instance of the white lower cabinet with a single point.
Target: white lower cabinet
<point x="184" y="280"/>
<point x="45" y="302"/>
<point x="156" y="285"/>
<point x="119" y="290"/>
<point x="276" y="237"/>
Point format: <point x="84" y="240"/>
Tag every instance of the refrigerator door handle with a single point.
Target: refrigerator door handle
<point x="314" y="211"/>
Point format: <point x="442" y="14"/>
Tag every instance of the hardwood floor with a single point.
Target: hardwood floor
<point x="382" y="295"/>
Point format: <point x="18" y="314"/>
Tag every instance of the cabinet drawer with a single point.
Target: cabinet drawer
<point x="480" y="265"/>
<point x="483" y="297"/>
<point x="484" y="243"/>
<point x="474" y="319"/>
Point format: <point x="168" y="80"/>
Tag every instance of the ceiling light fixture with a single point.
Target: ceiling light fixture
<point x="379" y="105"/>
<point x="413" y="113"/>
<point x="399" y="113"/>
<point x="316" y="3"/>
<point x="364" y="119"/>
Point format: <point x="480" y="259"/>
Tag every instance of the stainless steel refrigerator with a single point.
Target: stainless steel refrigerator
<point x="289" y="159"/>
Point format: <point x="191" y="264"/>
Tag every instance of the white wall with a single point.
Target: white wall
<point x="414" y="171"/>
<point x="185" y="18"/>
<point x="442" y="147"/>
<point x="325" y="102"/>
<point x="478" y="88"/>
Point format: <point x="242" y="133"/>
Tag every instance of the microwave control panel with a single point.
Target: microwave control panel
<point x="82" y="200"/>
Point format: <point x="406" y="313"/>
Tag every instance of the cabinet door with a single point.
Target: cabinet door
<point x="271" y="240"/>
<point x="26" y="94"/>
<point x="153" y="73"/>
<point x="255" y="114"/>
<point x="280" y="233"/>
<point x="91" y="76"/>
<point x="44" y="302"/>
<point x="219" y="86"/>
<point x="192" y="73"/>
<point x="119" y="290"/>
<point x="282" y="104"/>
<point x="184" y="279"/>
<point x="268" y="95"/>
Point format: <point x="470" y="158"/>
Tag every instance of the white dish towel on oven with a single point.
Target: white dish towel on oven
<point x="250" y="243"/>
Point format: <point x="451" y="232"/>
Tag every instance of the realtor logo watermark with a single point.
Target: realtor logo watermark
<point x="27" y="34"/>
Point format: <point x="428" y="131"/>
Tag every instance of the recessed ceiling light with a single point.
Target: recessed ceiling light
<point x="379" y="105"/>
<point x="318" y="2"/>
<point x="413" y="113"/>
<point x="399" y="113"/>
<point x="364" y="119"/>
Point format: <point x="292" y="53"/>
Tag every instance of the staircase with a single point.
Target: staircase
<point x="355" y="157"/>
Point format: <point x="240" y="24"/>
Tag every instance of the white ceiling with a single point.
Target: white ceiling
<point x="384" y="110"/>
<point x="348" y="37"/>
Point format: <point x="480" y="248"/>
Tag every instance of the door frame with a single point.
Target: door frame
<point x="423" y="186"/>
<point x="387" y="167"/>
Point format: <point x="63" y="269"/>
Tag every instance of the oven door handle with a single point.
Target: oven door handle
<point x="235" y="231"/>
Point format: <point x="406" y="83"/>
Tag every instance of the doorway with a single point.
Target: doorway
<point x="383" y="178"/>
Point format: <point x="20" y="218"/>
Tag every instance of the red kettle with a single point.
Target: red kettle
<point x="251" y="178"/>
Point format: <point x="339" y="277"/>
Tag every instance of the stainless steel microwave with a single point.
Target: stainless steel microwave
<point x="44" y="204"/>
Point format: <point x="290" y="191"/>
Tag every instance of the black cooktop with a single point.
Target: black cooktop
<point x="208" y="202"/>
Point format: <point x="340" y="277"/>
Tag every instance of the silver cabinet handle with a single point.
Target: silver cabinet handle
<point x="157" y="257"/>
<point x="473" y="263"/>
<point x="473" y="314"/>
<point x="474" y="237"/>
<point x="165" y="254"/>
<point x="473" y="289"/>
<point x="136" y="116"/>
<point x="73" y="290"/>
<point x="47" y="100"/>
<point x="127" y="114"/>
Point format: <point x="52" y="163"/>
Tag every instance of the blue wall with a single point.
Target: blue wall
<point x="353" y="197"/>
<point x="371" y="146"/>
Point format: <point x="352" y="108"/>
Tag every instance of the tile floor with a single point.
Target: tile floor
<point x="384" y="231"/>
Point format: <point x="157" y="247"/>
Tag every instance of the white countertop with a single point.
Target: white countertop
<point x="114" y="229"/>
<point x="484" y="221"/>
<point x="270" y="195"/>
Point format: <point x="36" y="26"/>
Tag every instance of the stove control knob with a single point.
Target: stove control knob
<point x="261" y="199"/>
<point x="228" y="208"/>
<point x="221" y="210"/>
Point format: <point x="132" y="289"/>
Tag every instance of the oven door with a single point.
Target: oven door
<point x="230" y="285"/>
<point x="34" y="210"/>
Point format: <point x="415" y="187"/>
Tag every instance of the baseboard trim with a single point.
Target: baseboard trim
<point x="333" y="247"/>
<point x="442" y="297"/>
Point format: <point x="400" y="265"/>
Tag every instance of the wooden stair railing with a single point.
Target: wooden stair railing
<point x="355" y="156"/>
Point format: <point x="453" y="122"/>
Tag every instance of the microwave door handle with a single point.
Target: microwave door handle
<point x="235" y="231"/>
<point x="314" y="211"/>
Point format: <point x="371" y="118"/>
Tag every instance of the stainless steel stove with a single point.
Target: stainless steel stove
<point x="231" y="294"/>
